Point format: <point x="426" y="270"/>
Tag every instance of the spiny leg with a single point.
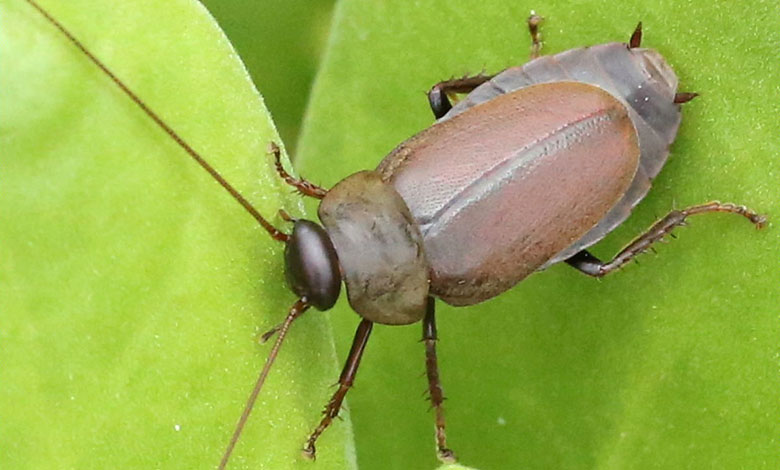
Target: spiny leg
<point x="345" y="382"/>
<point x="592" y="266"/>
<point x="304" y="187"/>
<point x="533" y="27"/>
<point x="636" y="37"/>
<point x="439" y="95"/>
<point x="434" y="385"/>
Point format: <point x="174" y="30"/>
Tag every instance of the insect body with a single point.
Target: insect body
<point x="535" y="165"/>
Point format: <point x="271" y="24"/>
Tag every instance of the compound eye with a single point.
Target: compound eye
<point x="311" y="265"/>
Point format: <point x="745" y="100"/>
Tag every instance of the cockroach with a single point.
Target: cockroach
<point x="536" y="164"/>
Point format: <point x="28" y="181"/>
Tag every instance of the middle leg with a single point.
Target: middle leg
<point x="439" y="96"/>
<point x="533" y="27"/>
<point x="434" y="385"/>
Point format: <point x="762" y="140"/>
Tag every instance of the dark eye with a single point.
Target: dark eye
<point x="311" y="265"/>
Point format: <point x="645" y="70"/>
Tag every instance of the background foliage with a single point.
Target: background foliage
<point x="133" y="287"/>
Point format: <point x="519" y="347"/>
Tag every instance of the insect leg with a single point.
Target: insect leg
<point x="345" y="382"/>
<point x="533" y="27"/>
<point x="439" y="95"/>
<point x="303" y="186"/>
<point x="592" y="266"/>
<point x="434" y="385"/>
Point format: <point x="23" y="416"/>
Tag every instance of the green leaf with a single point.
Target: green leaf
<point x="280" y="42"/>
<point x="133" y="287"/>
<point x="669" y="364"/>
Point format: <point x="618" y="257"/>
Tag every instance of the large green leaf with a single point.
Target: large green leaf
<point x="280" y="42"/>
<point x="669" y="364"/>
<point x="133" y="287"/>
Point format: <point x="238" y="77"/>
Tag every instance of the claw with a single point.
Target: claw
<point x="309" y="453"/>
<point x="447" y="456"/>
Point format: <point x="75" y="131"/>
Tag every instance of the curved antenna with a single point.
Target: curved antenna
<point x="296" y="311"/>
<point x="273" y="231"/>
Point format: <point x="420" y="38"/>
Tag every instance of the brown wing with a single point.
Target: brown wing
<point x="504" y="186"/>
<point x="639" y="77"/>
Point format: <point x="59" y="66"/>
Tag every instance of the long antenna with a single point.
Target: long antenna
<point x="295" y="311"/>
<point x="273" y="231"/>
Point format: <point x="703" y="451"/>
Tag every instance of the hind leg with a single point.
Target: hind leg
<point x="592" y="266"/>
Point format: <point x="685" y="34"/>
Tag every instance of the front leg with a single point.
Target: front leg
<point x="345" y="383"/>
<point x="592" y="266"/>
<point x="439" y="96"/>
<point x="305" y="187"/>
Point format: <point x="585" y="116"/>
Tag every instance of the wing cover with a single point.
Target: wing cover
<point x="501" y="188"/>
